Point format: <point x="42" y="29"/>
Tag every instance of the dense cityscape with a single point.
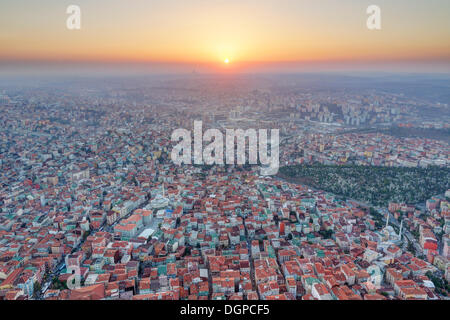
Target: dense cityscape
<point x="92" y="206"/>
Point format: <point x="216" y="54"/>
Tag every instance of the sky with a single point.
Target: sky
<point x="254" y="35"/>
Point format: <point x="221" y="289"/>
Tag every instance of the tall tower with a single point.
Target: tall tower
<point x="400" y="231"/>
<point x="387" y="220"/>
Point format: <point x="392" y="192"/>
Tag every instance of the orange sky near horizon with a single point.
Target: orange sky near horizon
<point x="208" y="32"/>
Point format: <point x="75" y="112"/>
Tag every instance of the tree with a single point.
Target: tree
<point x="86" y="234"/>
<point x="58" y="284"/>
<point x="411" y="248"/>
<point x="276" y="219"/>
<point x="36" y="289"/>
<point x="326" y="234"/>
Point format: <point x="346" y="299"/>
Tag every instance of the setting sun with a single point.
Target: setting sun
<point x="226" y="61"/>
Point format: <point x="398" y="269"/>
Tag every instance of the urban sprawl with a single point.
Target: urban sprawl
<point x="88" y="189"/>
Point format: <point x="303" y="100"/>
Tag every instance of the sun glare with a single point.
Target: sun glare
<point x="226" y="61"/>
